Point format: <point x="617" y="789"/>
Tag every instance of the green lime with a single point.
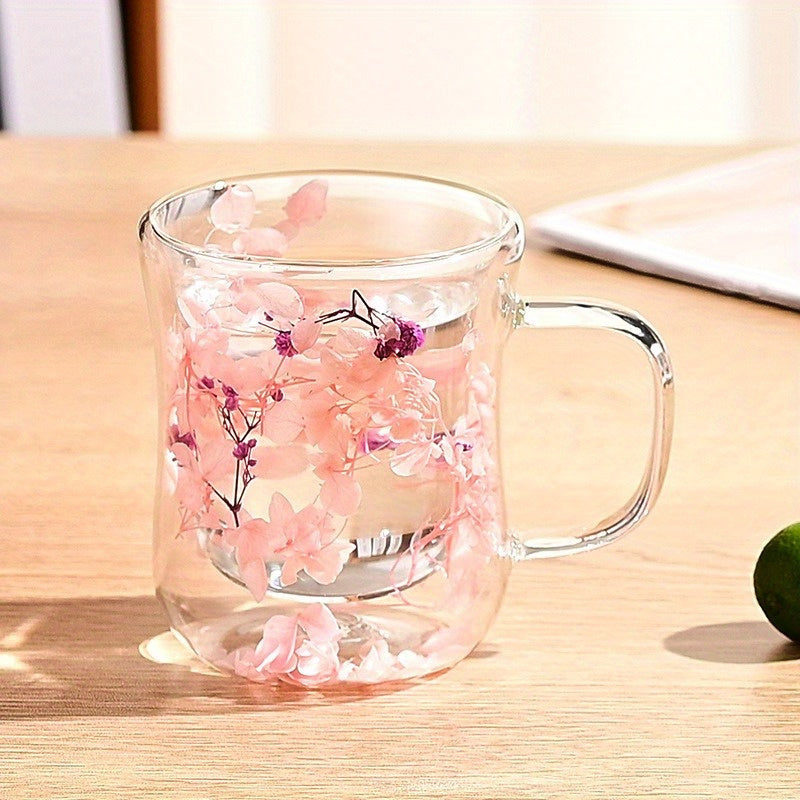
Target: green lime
<point x="776" y="580"/>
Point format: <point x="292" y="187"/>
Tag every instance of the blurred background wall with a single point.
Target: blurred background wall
<point x="610" y="70"/>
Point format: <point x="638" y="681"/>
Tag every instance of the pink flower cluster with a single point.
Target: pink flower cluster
<point x="303" y="540"/>
<point x="300" y="405"/>
<point x="302" y="649"/>
<point x="297" y="402"/>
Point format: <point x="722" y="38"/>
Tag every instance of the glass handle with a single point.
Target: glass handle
<point x="569" y="313"/>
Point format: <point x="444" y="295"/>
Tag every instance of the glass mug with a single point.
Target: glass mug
<point x="329" y="502"/>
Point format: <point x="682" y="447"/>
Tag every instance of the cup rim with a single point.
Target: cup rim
<point x="511" y="220"/>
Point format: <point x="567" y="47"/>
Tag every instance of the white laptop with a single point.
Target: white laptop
<point x="734" y="227"/>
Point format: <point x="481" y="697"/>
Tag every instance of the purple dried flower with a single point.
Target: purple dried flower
<point x="283" y="344"/>
<point x="277" y="395"/>
<point x="372" y="441"/>
<point x="231" y="397"/>
<point x="206" y="383"/>
<point x="411" y="337"/>
<point x="241" y="451"/>
<point x="384" y="349"/>
<point x="184" y="438"/>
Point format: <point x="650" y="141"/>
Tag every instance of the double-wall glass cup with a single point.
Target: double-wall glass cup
<point x="329" y="503"/>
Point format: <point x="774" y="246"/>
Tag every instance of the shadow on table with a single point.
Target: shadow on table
<point x="81" y="657"/>
<point x="750" y="642"/>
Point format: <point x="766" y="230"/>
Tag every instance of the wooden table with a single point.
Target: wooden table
<point x="642" y="670"/>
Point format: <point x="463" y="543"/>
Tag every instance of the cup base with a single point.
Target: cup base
<point x="373" y="644"/>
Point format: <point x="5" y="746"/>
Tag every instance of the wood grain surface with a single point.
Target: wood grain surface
<point x="642" y="670"/>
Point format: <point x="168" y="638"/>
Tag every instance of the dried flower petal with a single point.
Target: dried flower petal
<point x="261" y="242"/>
<point x="341" y="494"/>
<point x="307" y="205"/>
<point x="234" y="208"/>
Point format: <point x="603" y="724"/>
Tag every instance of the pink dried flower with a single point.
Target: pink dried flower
<point x="305" y="334"/>
<point x="261" y="242"/>
<point x="302" y="649"/>
<point x="234" y="208"/>
<point x="309" y="542"/>
<point x="307" y="205"/>
<point x="283" y="421"/>
<point x="254" y="541"/>
<point x="341" y="494"/>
